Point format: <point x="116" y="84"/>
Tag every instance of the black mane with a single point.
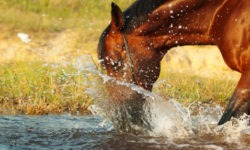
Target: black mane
<point x="138" y="13"/>
<point x="134" y="16"/>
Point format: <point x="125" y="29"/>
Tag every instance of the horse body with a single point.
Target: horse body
<point x="134" y="43"/>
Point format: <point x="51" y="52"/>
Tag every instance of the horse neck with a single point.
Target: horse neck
<point x="178" y="23"/>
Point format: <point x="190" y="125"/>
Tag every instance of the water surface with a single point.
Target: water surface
<point x="92" y="132"/>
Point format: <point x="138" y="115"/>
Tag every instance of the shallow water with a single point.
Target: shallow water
<point x="91" y="132"/>
<point x="53" y="132"/>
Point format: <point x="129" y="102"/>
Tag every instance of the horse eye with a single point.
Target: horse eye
<point x="116" y="65"/>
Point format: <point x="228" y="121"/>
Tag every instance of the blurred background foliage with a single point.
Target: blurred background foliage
<point x="56" y="15"/>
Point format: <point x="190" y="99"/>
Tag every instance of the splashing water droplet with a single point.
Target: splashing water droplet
<point x="132" y="109"/>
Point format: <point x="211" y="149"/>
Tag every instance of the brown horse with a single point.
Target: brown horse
<point x="132" y="46"/>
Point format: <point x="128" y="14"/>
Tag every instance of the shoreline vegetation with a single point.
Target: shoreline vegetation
<point x="38" y="76"/>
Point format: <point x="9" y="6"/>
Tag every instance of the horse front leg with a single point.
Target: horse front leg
<point x="240" y="101"/>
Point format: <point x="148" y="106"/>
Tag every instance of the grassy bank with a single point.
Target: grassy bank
<point x="190" y="88"/>
<point x="39" y="88"/>
<point x="39" y="77"/>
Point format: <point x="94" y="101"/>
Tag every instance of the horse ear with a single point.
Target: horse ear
<point x="117" y="20"/>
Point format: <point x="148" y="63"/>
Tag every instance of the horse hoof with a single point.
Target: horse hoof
<point x="226" y="117"/>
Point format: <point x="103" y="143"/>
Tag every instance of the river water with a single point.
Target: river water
<point x="165" y="124"/>
<point x="92" y="132"/>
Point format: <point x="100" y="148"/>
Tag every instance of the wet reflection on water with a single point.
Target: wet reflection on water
<point x="91" y="132"/>
<point x="52" y="132"/>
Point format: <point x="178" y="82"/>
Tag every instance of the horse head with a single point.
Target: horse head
<point x="126" y="56"/>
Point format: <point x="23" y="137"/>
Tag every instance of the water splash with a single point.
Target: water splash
<point x="158" y="117"/>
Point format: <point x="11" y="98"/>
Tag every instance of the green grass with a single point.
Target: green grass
<point x="39" y="88"/>
<point x="188" y="88"/>
<point x="29" y="84"/>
